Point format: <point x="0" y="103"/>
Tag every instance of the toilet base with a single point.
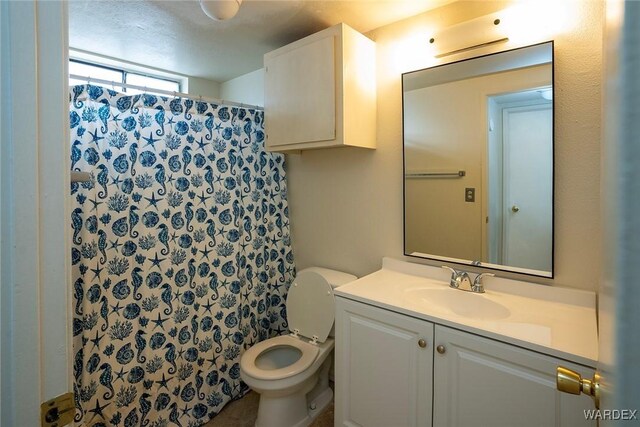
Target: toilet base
<point x="321" y="395"/>
<point x="289" y="411"/>
<point x="298" y="409"/>
<point x="286" y="417"/>
<point x="320" y="403"/>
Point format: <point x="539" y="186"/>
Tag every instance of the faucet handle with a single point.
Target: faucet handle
<point x="477" y="282"/>
<point x="452" y="270"/>
<point x="454" y="282"/>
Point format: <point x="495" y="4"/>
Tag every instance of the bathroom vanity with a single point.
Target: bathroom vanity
<point x="411" y="351"/>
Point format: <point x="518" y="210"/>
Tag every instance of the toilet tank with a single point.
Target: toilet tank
<point x="335" y="279"/>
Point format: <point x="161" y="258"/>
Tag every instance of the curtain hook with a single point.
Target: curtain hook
<point x="146" y="90"/>
<point x="113" y="85"/>
<point x="89" y="80"/>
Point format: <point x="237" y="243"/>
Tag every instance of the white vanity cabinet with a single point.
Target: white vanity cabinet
<point x="385" y="377"/>
<point x="476" y="378"/>
<point x="320" y="92"/>
<point x="383" y="367"/>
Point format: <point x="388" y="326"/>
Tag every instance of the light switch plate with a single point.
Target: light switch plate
<point x="469" y="194"/>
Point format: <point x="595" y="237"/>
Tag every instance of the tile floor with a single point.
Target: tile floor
<point x="243" y="413"/>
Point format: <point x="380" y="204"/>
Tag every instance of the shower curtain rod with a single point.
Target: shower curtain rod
<point x="145" y="89"/>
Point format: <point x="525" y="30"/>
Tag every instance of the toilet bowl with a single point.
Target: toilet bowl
<point x="291" y="372"/>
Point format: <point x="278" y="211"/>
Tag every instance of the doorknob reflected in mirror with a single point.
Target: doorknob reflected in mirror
<point x="515" y="208"/>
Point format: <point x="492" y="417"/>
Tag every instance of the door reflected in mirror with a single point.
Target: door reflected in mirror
<point x="478" y="161"/>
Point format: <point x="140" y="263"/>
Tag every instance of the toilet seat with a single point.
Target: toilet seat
<point x="248" y="361"/>
<point x="311" y="306"/>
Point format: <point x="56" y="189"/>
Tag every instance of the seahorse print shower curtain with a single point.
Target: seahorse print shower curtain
<point x="181" y="255"/>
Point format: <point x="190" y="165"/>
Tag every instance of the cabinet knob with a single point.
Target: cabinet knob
<point x="422" y="343"/>
<point x="441" y="349"/>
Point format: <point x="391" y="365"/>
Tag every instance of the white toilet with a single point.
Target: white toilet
<point x="291" y="372"/>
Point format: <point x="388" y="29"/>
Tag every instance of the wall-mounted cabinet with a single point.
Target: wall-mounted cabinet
<point x="320" y="92"/>
<point x="396" y="370"/>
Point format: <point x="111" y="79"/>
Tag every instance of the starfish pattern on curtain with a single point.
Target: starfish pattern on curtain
<point x="181" y="255"/>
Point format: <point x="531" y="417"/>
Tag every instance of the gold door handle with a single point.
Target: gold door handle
<point x="422" y="343"/>
<point x="568" y="381"/>
<point x="441" y="349"/>
<point x="515" y="209"/>
<point x="58" y="411"/>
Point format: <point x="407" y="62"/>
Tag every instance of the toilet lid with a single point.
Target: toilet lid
<point x="311" y="306"/>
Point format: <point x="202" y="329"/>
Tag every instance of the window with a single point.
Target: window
<point x="95" y="72"/>
<point x="111" y="74"/>
<point x="151" y="82"/>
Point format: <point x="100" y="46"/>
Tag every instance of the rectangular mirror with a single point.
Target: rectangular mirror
<point x="478" y="161"/>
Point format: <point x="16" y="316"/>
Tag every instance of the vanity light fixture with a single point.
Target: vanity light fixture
<point x="476" y="33"/>
<point x="220" y="10"/>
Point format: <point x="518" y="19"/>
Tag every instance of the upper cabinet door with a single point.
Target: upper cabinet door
<point x="478" y="381"/>
<point x="383" y="367"/>
<point x="320" y="92"/>
<point x="300" y="94"/>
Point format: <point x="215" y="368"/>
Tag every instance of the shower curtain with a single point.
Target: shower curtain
<point x="181" y="255"/>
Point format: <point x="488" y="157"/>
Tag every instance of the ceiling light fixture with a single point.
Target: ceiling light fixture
<point x="546" y="93"/>
<point x="220" y="10"/>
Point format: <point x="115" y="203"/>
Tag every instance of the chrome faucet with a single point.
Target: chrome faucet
<point x="458" y="278"/>
<point x="462" y="278"/>
<point x="477" y="282"/>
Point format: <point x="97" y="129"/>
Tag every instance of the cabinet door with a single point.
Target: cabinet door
<point x="481" y="382"/>
<point x="300" y="88"/>
<point x="383" y="374"/>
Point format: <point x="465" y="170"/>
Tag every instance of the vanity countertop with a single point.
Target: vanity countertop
<point x="557" y="321"/>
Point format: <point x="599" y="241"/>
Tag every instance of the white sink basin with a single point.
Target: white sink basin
<point x="552" y="320"/>
<point x="461" y="303"/>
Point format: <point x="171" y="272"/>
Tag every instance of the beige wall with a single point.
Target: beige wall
<point x="346" y="204"/>
<point x="248" y="88"/>
<point x="203" y="87"/>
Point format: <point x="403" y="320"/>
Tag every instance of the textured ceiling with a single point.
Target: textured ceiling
<point x="177" y="36"/>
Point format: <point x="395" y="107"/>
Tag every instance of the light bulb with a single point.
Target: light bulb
<point x="220" y="10"/>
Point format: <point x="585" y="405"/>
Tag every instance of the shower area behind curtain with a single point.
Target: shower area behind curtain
<point x="181" y="255"/>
